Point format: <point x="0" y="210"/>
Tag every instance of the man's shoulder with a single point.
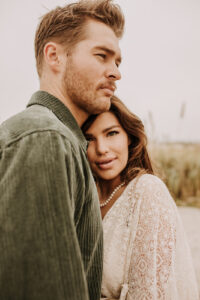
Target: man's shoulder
<point x="34" y="119"/>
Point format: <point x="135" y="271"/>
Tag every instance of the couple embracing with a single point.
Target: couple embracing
<point x="82" y="215"/>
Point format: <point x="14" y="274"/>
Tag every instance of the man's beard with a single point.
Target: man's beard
<point x="81" y="92"/>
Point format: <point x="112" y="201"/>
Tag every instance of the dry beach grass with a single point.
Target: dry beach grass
<point x="179" y="167"/>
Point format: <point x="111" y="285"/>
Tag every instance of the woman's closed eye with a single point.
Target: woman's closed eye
<point x="89" y="138"/>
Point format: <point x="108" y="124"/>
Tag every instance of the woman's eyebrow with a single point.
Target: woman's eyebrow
<point x="111" y="127"/>
<point x="104" y="130"/>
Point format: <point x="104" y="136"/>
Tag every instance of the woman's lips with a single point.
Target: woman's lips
<point x="105" y="164"/>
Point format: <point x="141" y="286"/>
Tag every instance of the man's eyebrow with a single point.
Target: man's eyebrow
<point x="110" y="51"/>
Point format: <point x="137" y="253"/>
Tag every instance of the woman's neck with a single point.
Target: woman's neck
<point x="106" y="187"/>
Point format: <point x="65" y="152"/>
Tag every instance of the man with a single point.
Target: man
<point x="50" y="226"/>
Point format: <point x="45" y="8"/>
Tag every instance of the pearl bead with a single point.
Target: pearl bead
<point x="112" y="194"/>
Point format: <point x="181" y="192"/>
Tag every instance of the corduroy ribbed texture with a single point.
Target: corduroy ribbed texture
<point x="50" y="224"/>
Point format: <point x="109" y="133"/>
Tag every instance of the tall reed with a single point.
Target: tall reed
<point x="179" y="166"/>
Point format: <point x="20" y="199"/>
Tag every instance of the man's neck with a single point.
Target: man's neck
<point x="54" y="90"/>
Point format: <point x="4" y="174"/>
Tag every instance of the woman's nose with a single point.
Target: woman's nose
<point x="101" y="147"/>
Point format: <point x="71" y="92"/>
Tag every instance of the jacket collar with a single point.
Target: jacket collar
<point x="61" y="111"/>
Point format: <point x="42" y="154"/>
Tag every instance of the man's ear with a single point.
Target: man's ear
<point x="51" y="54"/>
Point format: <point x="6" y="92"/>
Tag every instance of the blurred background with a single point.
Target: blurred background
<point x="160" y="78"/>
<point x="160" y="83"/>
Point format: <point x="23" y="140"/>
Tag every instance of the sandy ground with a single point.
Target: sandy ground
<point x="191" y="223"/>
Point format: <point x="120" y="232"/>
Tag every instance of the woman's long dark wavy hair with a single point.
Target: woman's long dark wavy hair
<point x="138" y="158"/>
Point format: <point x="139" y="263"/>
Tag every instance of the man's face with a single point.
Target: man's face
<point x="92" y="69"/>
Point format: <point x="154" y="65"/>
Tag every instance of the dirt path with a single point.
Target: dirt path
<point x="191" y="223"/>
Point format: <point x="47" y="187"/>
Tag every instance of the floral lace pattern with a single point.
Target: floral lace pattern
<point x="146" y="255"/>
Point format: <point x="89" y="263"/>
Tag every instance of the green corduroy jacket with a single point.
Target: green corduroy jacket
<point x="50" y="224"/>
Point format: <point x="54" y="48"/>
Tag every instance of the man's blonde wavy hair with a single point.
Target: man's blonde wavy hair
<point x="65" y="25"/>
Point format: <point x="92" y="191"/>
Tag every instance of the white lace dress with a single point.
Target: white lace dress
<point x="146" y="254"/>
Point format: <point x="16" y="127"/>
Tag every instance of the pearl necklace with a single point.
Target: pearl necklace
<point x="112" y="194"/>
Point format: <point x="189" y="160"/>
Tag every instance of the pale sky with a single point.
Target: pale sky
<point x="160" y="68"/>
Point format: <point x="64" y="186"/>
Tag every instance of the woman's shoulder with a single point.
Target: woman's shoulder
<point x="152" y="190"/>
<point x="147" y="181"/>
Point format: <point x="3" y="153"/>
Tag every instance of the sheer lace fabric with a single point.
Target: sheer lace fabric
<point x="146" y="255"/>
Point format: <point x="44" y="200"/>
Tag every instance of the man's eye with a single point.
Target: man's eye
<point x="101" y="55"/>
<point x="113" y="132"/>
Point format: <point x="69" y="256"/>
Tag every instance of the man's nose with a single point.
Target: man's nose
<point x="113" y="72"/>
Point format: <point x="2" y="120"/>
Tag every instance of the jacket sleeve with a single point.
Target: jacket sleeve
<point x="40" y="255"/>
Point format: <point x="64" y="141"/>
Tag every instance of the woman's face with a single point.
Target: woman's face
<point x="108" y="147"/>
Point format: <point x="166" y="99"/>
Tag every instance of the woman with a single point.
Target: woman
<point x="146" y="255"/>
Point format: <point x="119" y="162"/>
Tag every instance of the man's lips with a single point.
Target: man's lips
<point x="108" y="88"/>
<point x="105" y="164"/>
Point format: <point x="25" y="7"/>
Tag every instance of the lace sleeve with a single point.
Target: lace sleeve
<point x="153" y="251"/>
